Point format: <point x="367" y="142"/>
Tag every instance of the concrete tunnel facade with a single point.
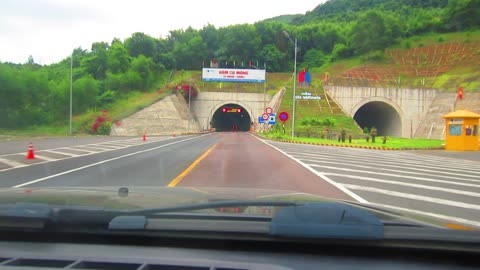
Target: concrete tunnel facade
<point x="381" y="114"/>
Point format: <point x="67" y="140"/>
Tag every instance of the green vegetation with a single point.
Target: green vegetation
<point x="392" y="142"/>
<point x="108" y="73"/>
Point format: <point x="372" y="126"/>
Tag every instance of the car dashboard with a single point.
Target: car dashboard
<point x="73" y="251"/>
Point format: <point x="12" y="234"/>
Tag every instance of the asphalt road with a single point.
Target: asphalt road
<point x="438" y="186"/>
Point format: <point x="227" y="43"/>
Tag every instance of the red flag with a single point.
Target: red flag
<point x="301" y="76"/>
<point x="460" y="93"/>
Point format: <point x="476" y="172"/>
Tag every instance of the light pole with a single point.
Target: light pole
<point x="71" y="95"/>
<point x="189" y="108"/>
<point x="294" y="81"/>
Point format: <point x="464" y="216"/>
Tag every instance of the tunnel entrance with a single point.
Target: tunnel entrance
<point x="231" y="117"/>
<point x="380" y="115"/>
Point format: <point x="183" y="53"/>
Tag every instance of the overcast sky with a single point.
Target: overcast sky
<point x="50" y="29"/>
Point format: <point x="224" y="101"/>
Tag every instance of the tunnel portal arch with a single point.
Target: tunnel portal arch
<point x="230" y="116"/>
<point x="382" y="114"/>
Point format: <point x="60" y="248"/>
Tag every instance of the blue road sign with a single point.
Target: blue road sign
<point x="260" y="120"/>
<point x="272" y="119"/>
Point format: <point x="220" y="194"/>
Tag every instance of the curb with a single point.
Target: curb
<point x="351" y="146"/>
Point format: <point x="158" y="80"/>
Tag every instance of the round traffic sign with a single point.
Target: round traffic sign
<point x="283" y="116"/>
<point x="265" y="116"/>
<point x="268" y="110"/>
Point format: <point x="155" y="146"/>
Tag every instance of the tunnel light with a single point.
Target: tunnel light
<point x="224" y="109"/>
<point x="239" y="110"/>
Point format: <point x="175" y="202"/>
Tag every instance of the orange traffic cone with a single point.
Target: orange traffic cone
<point x="30" y="154"/>
<point x="144" y="138"/>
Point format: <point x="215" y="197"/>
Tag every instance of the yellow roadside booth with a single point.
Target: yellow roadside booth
<point x="461" y="131"/>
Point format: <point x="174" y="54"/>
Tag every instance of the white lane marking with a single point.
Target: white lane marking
<point x="45" y="158"/>
<point x="78" y="150"/>
<point x="80" y="145"/>
<point x="409" y="162"/>
<point x="323" y="177"/>
<point x="414" y="197"/>
<point x="444" y="217"/>
<point x="349" y="164"/>
<point x="12" y="163"/>
<point x="415" y="166"/>
<point x="61" y="153"/>
<point x="84" y="153"/>
<point x="390" y="155"/>
<point x="395" y="175"/>
<point x="108" y="147"/>
<point x="448" y="190"/>
<point x="105" y="161"/>
<point x="94" y="148"/>
<point x="123" y="145"/>
<point x="399" y="163"/>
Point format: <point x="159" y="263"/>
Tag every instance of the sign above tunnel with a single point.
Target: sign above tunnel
<point x="231" y="110"/>
<point x="233" y="75"/>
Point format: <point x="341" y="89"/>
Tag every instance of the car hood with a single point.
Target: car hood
<point x="123" y="198"/>
<point x="143" y="197"/>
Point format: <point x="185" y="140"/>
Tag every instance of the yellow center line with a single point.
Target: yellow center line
<point x="179" y="178"/>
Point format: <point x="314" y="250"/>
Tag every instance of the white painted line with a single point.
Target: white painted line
<point x="88" y="148"/>
<point x="434" y="173"/>
<point x="105" y="161"/>
<point x="328" y="180"/>
<point x="414" y="197"/>
<point x="61" y="153"/>
<point x="395" y="175"/>
<point x="91" y="146"/>
<point x="78" y="150"/>
<point x="447" y="218"/>
<point x="386" y="155"/>
<point x="122" y="145"/>
<point x="398" y="164"/>
<point x="448" y="190"/>
<point x="45" y="158"/>
<point x="380" y="160"/>
<point x="12" y="163"/>
<point x="108" y="147"/>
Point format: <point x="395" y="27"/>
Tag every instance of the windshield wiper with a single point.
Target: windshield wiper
<point x="306" y="220"/>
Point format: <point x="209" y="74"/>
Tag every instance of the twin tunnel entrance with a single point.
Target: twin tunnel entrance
<point x="381" y="115"/>
<point x="231" y="117"/>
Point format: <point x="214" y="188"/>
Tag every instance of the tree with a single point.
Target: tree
<point x="85" y="91"/>
<point x="142" y="66"/>
<point x="95" y="63"/>
<point x="371" y="33"/>
<point x="314" y="58"/>
<point x="273" y="58"/>
<point x="140" y="43"/>
<point x="118" y="58"/>
<point x="463" y="14"/>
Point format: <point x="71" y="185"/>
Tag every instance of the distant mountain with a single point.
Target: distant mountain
<point x="285" y="18"/>
<point x="339" y="8"/>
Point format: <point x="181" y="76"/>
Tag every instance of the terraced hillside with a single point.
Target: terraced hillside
<point x="420" y="67"/>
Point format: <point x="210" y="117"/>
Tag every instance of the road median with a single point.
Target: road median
<point x="321" y="142"/>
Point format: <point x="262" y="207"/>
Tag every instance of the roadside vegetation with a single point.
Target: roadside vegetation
<point x="120" y="76"/>
<point x="380" y="141"/>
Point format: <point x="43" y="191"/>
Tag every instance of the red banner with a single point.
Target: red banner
<point x="460" y="93"/>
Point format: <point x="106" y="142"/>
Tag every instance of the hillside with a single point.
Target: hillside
<point x="440" y="61"/>
<point x="347" y="38"/>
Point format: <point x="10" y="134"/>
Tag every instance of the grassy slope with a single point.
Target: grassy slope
<point x="465" y="73"/>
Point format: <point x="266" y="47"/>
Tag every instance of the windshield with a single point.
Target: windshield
<point x="127" y="106"/>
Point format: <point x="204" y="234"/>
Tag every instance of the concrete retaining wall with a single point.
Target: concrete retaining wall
<point x="168" y="116"/>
